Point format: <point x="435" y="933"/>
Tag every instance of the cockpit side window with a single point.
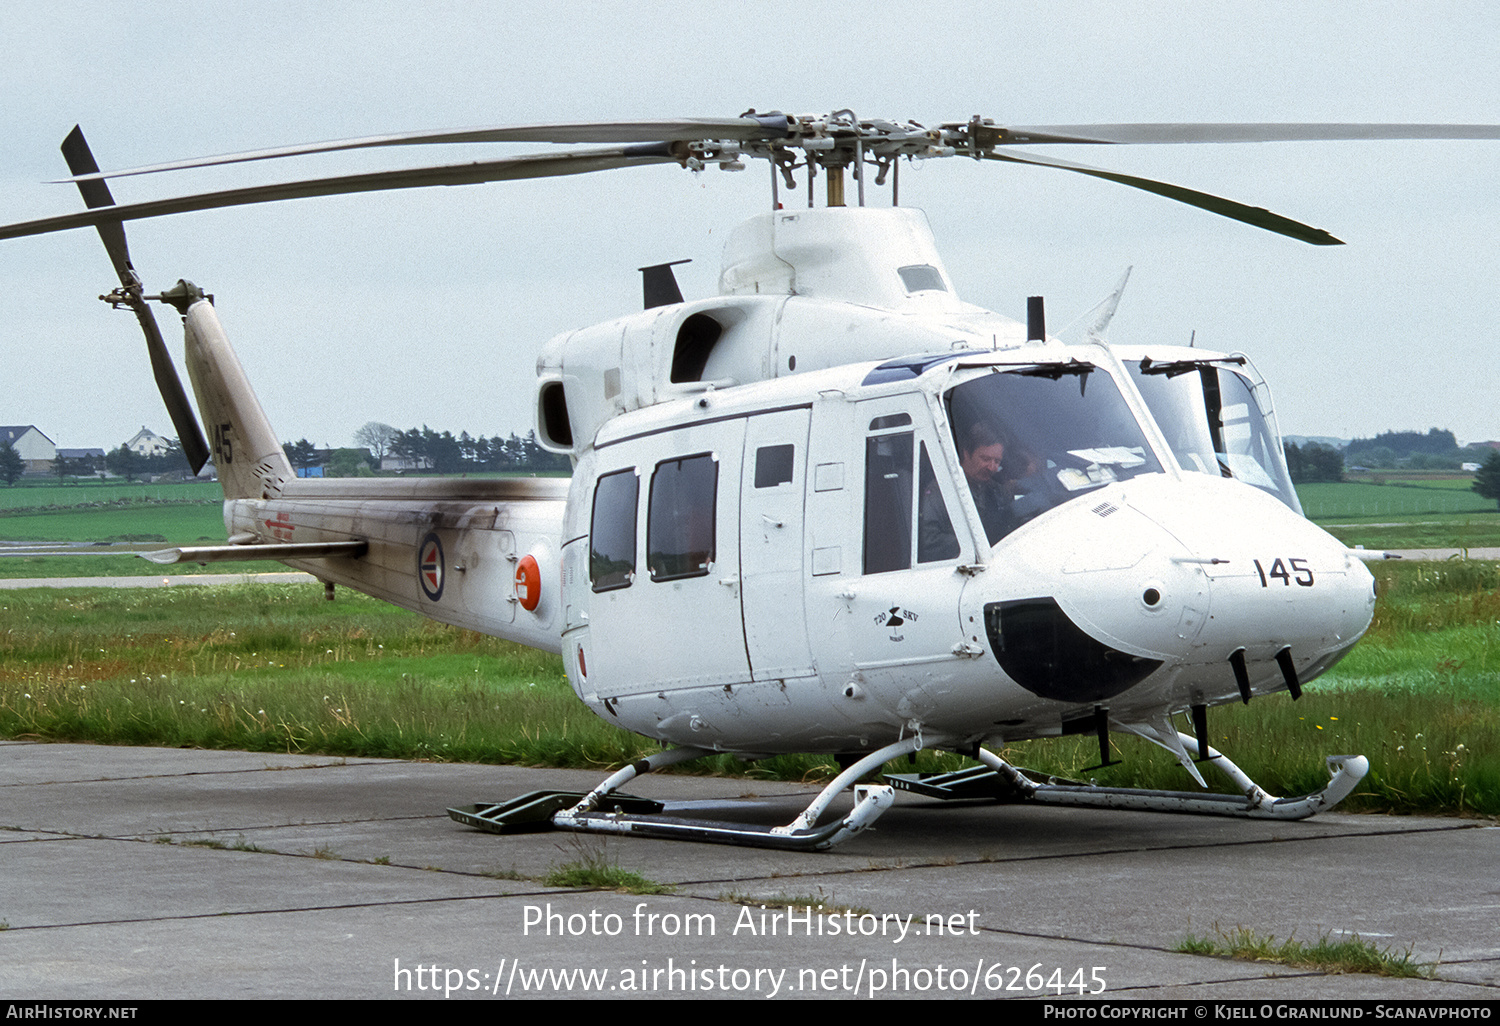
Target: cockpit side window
<point x="906" y="515"/>
<point x="680" y="530"/>
<point x="1251" y="449"/>
<point x="936" y="538"/>
<point x="612" y="530"/>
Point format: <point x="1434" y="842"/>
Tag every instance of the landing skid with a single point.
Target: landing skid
<point x="605" y="811"/>
<point x="602" y="810"/>
<point x="1007" y="783"/>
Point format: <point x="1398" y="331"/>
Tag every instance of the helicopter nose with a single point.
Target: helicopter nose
<point x="1287" y="599"/>
<point x="1158" y="582"/>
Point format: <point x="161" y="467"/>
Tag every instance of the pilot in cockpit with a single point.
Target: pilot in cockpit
<point x="992" y="480"/>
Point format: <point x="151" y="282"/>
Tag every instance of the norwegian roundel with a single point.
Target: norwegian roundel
<point x="430" y="567"/>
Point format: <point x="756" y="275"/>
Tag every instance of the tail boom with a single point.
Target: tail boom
<point x="476" y="553"/>
<point x="460" y="562"/>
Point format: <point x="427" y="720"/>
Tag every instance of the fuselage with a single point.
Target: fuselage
<point x="782" y="534"/>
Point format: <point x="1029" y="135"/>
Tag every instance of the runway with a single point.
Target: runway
<point x="132" y="873"/>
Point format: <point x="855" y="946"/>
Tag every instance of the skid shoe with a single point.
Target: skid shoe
<point x="1006" y="783"/>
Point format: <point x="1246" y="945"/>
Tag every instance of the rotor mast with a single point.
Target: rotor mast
<point x="835" y="143"/>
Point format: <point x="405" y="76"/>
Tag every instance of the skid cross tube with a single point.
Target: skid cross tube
<point x="801" y="834"/>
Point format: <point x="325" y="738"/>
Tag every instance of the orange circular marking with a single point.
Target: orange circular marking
<point x="528" y="583"/>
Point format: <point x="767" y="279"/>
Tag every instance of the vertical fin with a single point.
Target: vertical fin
<point x="249" y="459"/>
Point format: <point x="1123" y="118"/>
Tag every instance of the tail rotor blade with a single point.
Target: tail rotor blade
<point x="96" y="194"/>
<point x="184" y="419"/>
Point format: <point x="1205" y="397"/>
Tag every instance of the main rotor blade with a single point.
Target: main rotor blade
<point x="1257" y="216"/>
<point x="540" y="165"/>
<point x="1015" y="135"/>
<point x="96" y="196"/>
<point x="763" y="126"/>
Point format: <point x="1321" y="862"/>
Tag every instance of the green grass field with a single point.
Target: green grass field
<point x="139" y="526"/>
<point x="1473" y="531"/>
<point x="140" y="515"/>
<point x="120" y="565"/>
<point x="1404" y="513"/>
<point x="31" y="493"/>
<point x="1404" y="498"/>
<point x="175" y="523"/>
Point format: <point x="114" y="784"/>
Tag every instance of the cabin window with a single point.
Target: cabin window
<point x="773" y="465"/>
<point x="888" y="507"/>
<point x="612" y="531"/>
<point x="680" y="522"/>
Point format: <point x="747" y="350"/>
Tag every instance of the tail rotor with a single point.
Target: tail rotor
<point x="131" y="293"/>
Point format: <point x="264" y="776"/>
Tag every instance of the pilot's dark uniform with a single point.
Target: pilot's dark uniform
<point x="995" y="505"/>
<point x="938" y="540"/>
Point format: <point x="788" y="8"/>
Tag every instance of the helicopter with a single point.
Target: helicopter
<point x="833" y="508"/>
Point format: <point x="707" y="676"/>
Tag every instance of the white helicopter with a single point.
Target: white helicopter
<point x="832" y="509"/>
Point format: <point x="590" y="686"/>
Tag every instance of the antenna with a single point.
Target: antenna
<point x="1036" y="319"/>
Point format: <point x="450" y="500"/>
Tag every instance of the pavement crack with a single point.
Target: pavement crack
<point x="345" y="906"/>
<point x="339" y="764"/>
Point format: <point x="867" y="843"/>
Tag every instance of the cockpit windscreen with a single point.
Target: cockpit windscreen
<point x="1032" y="439"/>
<point x="1213" y="423"/>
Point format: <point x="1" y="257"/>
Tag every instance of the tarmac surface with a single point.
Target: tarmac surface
<point x="134" y="873"/>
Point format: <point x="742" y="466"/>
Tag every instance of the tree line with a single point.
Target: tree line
<point x="425" y="450"/>
<point x="122" y="462"/>
<point x="421" y="450"/>
<point x="1313" y="462"/>
<point x="1437" y="449"/>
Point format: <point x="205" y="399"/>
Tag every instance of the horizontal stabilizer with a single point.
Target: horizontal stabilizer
<point x="229" y="553"/>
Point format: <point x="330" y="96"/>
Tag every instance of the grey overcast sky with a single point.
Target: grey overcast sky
<point x="430" y="306"/>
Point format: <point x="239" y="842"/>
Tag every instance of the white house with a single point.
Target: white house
<point x="34" y="447"/>
<point x="148" y="443"/>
